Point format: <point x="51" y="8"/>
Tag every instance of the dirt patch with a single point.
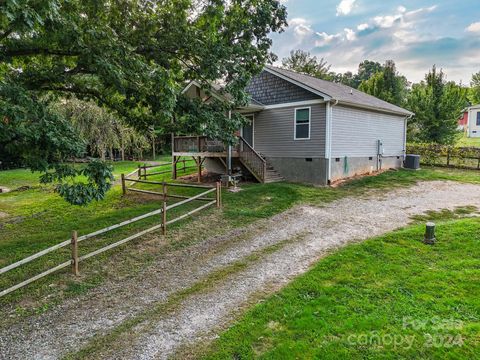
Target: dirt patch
<point x="4" y="189"/>
<point x="305" y="234"/>
<point x="3" y="215"/>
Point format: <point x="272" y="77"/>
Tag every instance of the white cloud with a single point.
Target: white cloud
<point x="474" y="28"/>
<point x="350" y="34"/>
<point x="345" y="7"/>
<point x="362" y="27"/>
<point x="326" y="39"/>
<point x="401" y="9"/>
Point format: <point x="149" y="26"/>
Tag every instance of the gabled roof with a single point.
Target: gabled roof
<point x="342" y="93"/>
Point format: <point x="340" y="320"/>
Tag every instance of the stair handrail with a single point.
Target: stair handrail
<point x="252" y="149"/>
<point x="261" y="172"/>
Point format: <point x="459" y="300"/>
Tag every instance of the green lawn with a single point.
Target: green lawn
<point x="38" y="218"/>
<point x="390" y="297"/>
<point x="469" y="142"/>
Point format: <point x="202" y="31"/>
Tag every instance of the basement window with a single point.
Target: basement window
<point x="337" y="159"/>
<point x="308" y="159"/>
<point x="302" y="124"/>
<point x="370" y="158"/>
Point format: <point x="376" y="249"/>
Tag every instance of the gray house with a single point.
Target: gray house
<point x="304" y="129"/>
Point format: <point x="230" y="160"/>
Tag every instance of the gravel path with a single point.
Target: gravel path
<point x="303" y="234"/>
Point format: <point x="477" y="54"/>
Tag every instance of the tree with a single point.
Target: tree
<point x="367" y="69"/>
<point x="474" y="95"/>
<point x="302" y="62"/>
<point x="130" y="56"/>
<point x="437" y="105"/>
<point x="387" y="85"/>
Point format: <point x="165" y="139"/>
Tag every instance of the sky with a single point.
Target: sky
<point x="416" y="34"/>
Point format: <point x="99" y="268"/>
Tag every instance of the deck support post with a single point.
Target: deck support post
<point x="199" y="164"/>
<point x="174" y="167"/>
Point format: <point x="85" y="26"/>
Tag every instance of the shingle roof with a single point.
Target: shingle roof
<point x="343" y="93"/>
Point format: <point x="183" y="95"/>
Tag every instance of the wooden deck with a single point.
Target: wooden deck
<point x="200" y="148"/>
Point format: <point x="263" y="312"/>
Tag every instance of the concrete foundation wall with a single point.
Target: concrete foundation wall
<point x="350" y="166"/>
<point x="301" y="169"/>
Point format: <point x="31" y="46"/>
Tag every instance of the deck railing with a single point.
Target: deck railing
<point x="196" y="144"/>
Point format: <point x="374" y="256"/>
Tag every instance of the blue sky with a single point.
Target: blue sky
<point x="416" y="34"/>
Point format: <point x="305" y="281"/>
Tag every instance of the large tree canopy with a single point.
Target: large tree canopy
<point x="386" y="84"/>
<point x="129" y="56"/>
<point x="302" y="62"/>
<point x="437" y="105"/>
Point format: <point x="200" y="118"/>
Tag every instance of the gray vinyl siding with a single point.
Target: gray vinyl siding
<point x="355" y="132"/>
<point x="274" y="130"/>
<point x="269" y="89"/>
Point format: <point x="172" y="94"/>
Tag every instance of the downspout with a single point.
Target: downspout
<point x="328" y="140"/>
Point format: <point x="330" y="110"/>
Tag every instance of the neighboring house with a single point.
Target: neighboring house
<point x="463" y="121"/>
<point x="304" y="129"/>
<point x="471" y="121"/>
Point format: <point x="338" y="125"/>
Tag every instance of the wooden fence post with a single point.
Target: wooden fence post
<point x="124" y="188"/>
<point x="144" y="172"/>
<point x="448" y="156"/>
<point x="139" y="172"/>
<point x="75" y="253"/>
<point x="164" y="218"/>
<point x="219" y="194"/>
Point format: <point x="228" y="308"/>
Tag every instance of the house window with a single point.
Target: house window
<point x="302" y="124"/>
<point x="478" y="118"/>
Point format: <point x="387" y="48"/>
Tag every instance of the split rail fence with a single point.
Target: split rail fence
<point x="446" y="155"/>
<point x="162" y="212"/>
<point x="145" y="171"/>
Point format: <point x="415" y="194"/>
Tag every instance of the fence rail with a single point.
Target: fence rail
<point x="446" y="155"/>
<point x="73" y="242"/>
<point x="143" y="171"/>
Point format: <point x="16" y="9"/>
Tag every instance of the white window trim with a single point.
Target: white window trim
<point x="253" y="128"/>
<point x="309" y="122"/>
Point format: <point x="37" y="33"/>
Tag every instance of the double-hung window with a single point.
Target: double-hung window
<point x="478" y="118"/>
<point x="302" y="124"/>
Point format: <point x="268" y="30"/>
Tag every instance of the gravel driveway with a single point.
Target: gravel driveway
<point x="272" y="253"/>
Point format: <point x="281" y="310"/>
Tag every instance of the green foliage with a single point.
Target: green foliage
<point x="302" y="62"/>
<point x="132" y="57"/>
<point x="437" y="105"/>
<point x="99" y="128"/>
<point x="75" y="191"/>
<point x="31" y="133"/>
<point x="366" y="70"/>
<point x="474" y="95"/>
<point x="386" y="84"/>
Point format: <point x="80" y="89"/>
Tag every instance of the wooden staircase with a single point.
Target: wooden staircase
<point x="272" y="175"/>
<point x="257" y="164"/>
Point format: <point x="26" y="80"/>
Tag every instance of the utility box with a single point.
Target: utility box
<point x="412" y="162"/>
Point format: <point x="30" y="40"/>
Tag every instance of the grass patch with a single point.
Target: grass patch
<point x="38" y="218"/>
<point x="468" y="142"/>
<point x="386" y="298"/>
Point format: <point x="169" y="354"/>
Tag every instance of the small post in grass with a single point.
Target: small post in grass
<point x="75" y="253"/>
<point x="429" y="237"/>
<point x="124" y="188"/>
<point x="139" y="172"/>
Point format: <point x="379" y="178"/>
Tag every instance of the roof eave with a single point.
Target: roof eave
<point x="402" y="113"/>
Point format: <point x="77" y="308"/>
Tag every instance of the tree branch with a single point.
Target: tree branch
<point x="40" y="51"/>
